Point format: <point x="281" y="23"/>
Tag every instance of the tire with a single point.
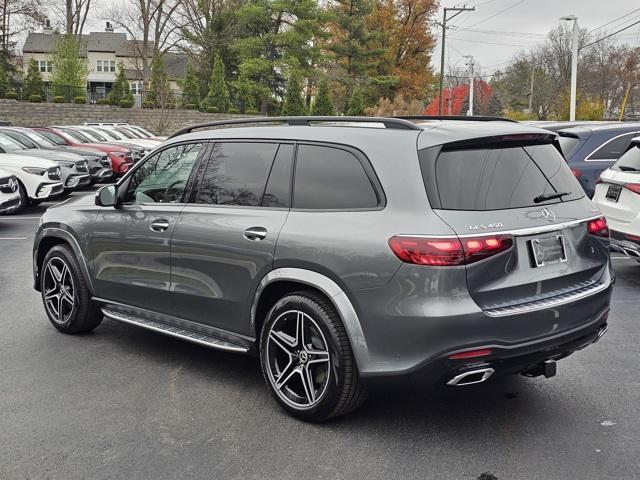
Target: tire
<point x="24" y="198"/>
<point x="65" y="295"/>
<point x="332" y="386"/>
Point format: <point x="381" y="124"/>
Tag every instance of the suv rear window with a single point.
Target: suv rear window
<point x="501" y="178"/>
<point x="629" y="162"/>
<point x="614" y="148"/>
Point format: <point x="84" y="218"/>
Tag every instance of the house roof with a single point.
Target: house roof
<point x="175" y="66"/>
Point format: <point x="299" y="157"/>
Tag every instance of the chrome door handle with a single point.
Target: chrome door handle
<point x="255" y="233"/>
<point x="159" y="225"/>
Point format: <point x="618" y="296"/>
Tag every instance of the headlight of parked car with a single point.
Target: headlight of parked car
<point x="67" y="164"/>
<point x="35" y="170"/>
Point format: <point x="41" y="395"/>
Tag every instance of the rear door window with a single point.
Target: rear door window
<point x="503" y="178"/>
<point x="613" y="149"/>
<point x="329" y="178"/>
<point x="237" y="173"/>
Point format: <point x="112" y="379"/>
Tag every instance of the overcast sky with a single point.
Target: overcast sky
<point x="520" y="24"/>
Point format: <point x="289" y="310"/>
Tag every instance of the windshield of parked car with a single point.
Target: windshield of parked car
<point x="39" y="140"/>
<point x="8" y="144"/>
<point x="109" y="134"/>
<point x="52" y="137"/>
<point x="77" y="136"/>
<point x="92" y="133"/>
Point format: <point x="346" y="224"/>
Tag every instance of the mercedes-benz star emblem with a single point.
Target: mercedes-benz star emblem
<point x="548" y="214"/>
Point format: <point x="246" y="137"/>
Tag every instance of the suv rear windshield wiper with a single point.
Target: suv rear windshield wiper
<point x="628" y="169"/>
<point x="550" y="196"/>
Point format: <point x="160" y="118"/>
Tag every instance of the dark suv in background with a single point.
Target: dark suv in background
<point x="412" y="253"/>
<point x="592" y="148"/>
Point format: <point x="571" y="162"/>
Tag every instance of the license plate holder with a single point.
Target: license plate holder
<point x="548" y="250"/>
<point x="613" y="192"/>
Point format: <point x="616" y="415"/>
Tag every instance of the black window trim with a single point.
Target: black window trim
<point x="364" y="163"/>
<point x="123" y="183"/>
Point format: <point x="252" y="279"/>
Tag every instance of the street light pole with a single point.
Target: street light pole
<point x="444" y="31"/>
<point x="574" y="65"/>
<point x="469" y="112"/>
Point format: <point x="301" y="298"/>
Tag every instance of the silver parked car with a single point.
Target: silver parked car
<point x="417" y="254"/>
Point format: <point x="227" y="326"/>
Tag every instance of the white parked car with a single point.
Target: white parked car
<point x="38" y="179"/>
<point x="9" y="195"/>
<point x="618" y="196"/>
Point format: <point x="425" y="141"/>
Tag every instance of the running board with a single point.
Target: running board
<point x="188" y="335"/>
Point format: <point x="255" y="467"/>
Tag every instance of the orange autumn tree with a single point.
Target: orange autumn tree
<point x="405" y="39"/>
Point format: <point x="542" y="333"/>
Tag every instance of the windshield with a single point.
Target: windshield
<point x="41" y="141"/>
<point x="496" y="178"/>
<point x="94" y="134"/>
<point x="125" y="133"/>
<point x="52" y="137"/>
<point x="10" y="145"/>
<point x="109" y="134"/>
<point x="77" y="136"/>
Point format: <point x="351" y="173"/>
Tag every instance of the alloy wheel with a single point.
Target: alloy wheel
<point x="59" y="290"/>
<point x="298" y="359"/>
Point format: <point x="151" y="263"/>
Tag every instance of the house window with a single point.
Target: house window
<point x="112" y="65"/>
<point x="45" y="66"/>
<point x="99" y="66"/>
<point x="105" y="65"/>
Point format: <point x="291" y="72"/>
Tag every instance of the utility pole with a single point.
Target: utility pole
<point x="444" y="31"/>
<point x="471" y="82"/>
<point x="574" y="65"/>
<point x="533" y="71"/>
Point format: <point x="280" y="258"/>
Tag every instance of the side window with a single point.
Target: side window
<point x="163" y="177"/>
<point x="614" y="149"/>
<point x="331" y="178"/>
<point x="236" y="174"/>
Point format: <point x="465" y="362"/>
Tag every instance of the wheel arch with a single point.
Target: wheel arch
<point x="46" y="239"/>
<point x="281" y="281"/>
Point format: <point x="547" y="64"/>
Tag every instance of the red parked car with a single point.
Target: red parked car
<point x="121" y="158"/>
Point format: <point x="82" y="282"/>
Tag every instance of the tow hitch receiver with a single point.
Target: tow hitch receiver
<point x="547" y="368"/>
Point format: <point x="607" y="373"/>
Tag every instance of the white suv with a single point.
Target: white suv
<point x="38" y="179"/>
<point x="9" y="195"/>
<point x="618" y="196"/>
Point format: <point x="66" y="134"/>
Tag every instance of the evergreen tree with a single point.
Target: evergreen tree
<point x="32" y="81"/>
<point x="357" y="103"/>
<point x="159" y="90"/>
<point x="353" y="44"/>
<point x="4" y="80"/>
<point x="69" y="77"/>
<point x="323" y="104"/>
<point x="495" y="107"/>
<point x="293" y="101"/>
<point x="218" y="97"/>
<point x="120" y="88"/>
<point x="191" y="88"/>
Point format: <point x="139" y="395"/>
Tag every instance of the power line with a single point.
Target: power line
<point x="494" y="15"/>
<point x="614" y="20"/>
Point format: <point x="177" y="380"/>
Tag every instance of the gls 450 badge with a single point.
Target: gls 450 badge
<point x="486" y="227"/>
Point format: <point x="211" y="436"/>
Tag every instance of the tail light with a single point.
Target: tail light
<point x="598" y="227"/>
<point x="471" y="354"/>
<point x="576" y="172"/>
<point x="598" y="180"/>
<point x="437" y="251"/>
<point x="634" y="187"/>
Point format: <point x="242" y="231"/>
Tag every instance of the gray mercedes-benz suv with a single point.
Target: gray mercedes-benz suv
<point x="346" y="252"/>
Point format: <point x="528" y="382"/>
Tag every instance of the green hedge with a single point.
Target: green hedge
<point x="80" y="100"/>
<point x="35" y="98"/>
<point x="126" y="103"/>
<point x="103" y="101"/>
<point x="148" y="104"/>
<point x="58" y="99"/>
<point x="190" y="106"/>
<point x="11" y="95"/>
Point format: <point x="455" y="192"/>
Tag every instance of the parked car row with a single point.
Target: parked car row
<point x="39" y="163"/>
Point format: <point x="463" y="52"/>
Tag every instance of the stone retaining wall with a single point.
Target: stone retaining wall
<point x="160" y="121"/>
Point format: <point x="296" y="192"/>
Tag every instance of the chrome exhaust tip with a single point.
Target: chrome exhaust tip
<point x="471" y="377"/>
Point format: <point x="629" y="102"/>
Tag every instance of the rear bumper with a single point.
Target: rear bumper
<point x="625" y="243"/>
<point x="521" y="358"/>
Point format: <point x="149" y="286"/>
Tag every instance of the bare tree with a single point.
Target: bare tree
<point x="151" y="24"/>
<point x="17" y="17"/>
<point x="70" y="14"/>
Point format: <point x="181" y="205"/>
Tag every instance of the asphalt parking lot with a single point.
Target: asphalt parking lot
<point x="126" y="403"/>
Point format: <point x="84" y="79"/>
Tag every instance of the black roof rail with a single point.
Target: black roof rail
<point x="473" y="118"/>
<point x="394" y="123"/>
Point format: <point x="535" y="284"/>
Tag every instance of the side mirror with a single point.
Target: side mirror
<point x="107" y="196"/>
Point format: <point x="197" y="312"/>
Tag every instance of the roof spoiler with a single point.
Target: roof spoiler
<point x="472" y="118"/>
<point x="392" y="123"/>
